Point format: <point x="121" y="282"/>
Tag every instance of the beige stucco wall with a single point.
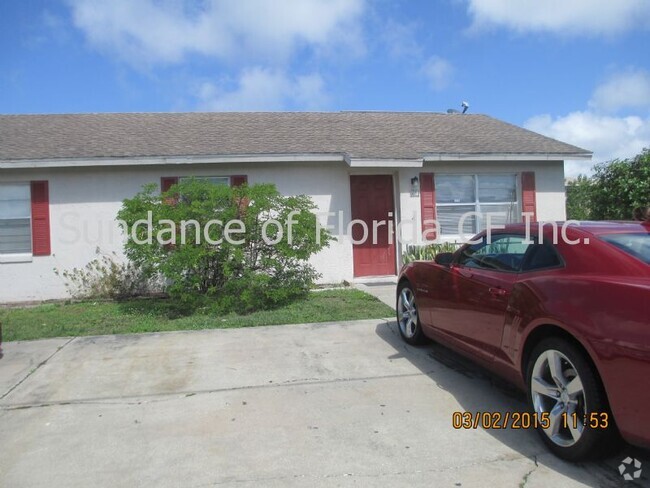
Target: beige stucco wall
<point x="84" y="202"/>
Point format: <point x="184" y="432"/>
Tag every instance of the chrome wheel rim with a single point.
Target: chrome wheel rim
<point x="407" y="313"/>
<point x="557" y="391"/>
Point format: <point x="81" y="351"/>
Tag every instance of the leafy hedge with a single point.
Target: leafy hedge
<point x="249" y="275"/>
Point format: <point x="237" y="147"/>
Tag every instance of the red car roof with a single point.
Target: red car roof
<point x="593" y="227"/>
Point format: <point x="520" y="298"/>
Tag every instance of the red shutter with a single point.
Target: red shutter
<point x="528" y="204"/>
<point x="238" y="180"/>
<point x="428" y="205"/>
<point x="40" y="218"/>
<point x="166" y="182"/>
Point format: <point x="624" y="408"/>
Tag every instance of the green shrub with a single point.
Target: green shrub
<point x="247" y="276"/>
<point x="578" y="198"/>
<point x="620" y="186"/>
<point x="427" y="252"/>
<point x="616" y="188"/>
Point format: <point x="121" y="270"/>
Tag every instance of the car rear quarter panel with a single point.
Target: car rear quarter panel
<point x="609" y="317"/>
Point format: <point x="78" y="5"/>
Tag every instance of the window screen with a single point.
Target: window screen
<point x="15" y="219"/>
<point x="482" y="193"/>
<point x="215" y="180"/>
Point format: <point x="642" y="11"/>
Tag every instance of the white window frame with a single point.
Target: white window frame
<point x="478" y="206"/>
<point x="19" y="257"/>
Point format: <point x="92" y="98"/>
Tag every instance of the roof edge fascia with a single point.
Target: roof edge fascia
<point x="171" y="160"/>
<point x="385" y="163"/>
<point x="507" y="156"/>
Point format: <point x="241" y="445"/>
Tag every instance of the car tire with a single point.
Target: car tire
<point x="563" y="386"/>
<point x="408" y="319"/>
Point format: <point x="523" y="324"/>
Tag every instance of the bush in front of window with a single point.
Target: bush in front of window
<point x="258" y="267"/>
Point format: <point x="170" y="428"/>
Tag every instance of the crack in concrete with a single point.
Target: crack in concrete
<point x="526" y="478"/>
<point x="160" y="397"/>
<point x="42" y="363"/>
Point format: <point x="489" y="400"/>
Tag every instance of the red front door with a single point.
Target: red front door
<point x="372" y="203"/>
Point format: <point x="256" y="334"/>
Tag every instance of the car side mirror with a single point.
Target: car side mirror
<point x="444" y="258"/>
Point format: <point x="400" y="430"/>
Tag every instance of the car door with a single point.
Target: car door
<point x="434" y="290"/>
<point x="481" y="280"/>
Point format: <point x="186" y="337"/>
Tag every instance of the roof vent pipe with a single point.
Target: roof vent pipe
<point x="465" y="106"/>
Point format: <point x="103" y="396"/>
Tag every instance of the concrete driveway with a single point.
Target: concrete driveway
<point x="302" y="405"/>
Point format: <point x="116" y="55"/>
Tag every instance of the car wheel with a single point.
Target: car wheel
<point x="564" y="389"/>
<point x="407" y="316"/>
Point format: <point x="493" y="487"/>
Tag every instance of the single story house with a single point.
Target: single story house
<point x="63" y="178"/>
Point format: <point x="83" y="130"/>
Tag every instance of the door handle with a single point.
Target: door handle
<point x="498" y="292"/>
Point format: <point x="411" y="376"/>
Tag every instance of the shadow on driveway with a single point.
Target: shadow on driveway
<point x="477" y="390"/>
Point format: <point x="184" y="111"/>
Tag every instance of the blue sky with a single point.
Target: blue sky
<point x="577" y="70"/>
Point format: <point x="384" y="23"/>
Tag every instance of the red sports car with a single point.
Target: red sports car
<point x="566" y="320"/>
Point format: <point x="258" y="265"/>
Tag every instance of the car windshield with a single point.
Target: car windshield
<point x="637" y="244"/>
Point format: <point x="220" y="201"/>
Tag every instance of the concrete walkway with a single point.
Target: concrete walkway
<point x="344" y="404"/>
<point x="383" y="290"/>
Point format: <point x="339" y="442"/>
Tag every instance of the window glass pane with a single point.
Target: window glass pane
<point x="15" y="236"/>
<point x="15" y="219"/>
<point x="455" y="189"/>
<point x="215" y="180"/>
<point x="637" y="245"/>
<point x="497" y="188"/>
<point x="543" y="256"/>
<point x="14" y="192"/>
<point x="15" y="201"/>
<point x="505" y="245"/>
<point x="504" y="253"/>
<point x="218" y="180"/>
<point x="508" y="214"/>
<point x="449" y="218"/>
<point x="15" y="209"/>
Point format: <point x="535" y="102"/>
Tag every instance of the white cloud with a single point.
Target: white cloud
<point x="592" y="17"/>
<point x="599" y="128"/>
<point x="166" y="31"/>
<point x="607" y="136"/>
<point x="260" y="89"/>
<point x="400" y="41"/>
<point x="438" y="72"/>
<point x="624" y="90"/>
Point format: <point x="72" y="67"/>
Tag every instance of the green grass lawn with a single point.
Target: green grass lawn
<point x="152" y="315"/>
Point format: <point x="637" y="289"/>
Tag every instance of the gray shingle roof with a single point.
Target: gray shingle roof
<point x="378" y="135"/>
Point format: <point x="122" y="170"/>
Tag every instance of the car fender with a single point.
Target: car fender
<point x="532" y="305"/>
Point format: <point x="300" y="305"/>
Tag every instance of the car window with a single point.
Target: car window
<point x="541" y="256"/>
<point x="503" y="253"/>
<point x="637" y="244"/>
